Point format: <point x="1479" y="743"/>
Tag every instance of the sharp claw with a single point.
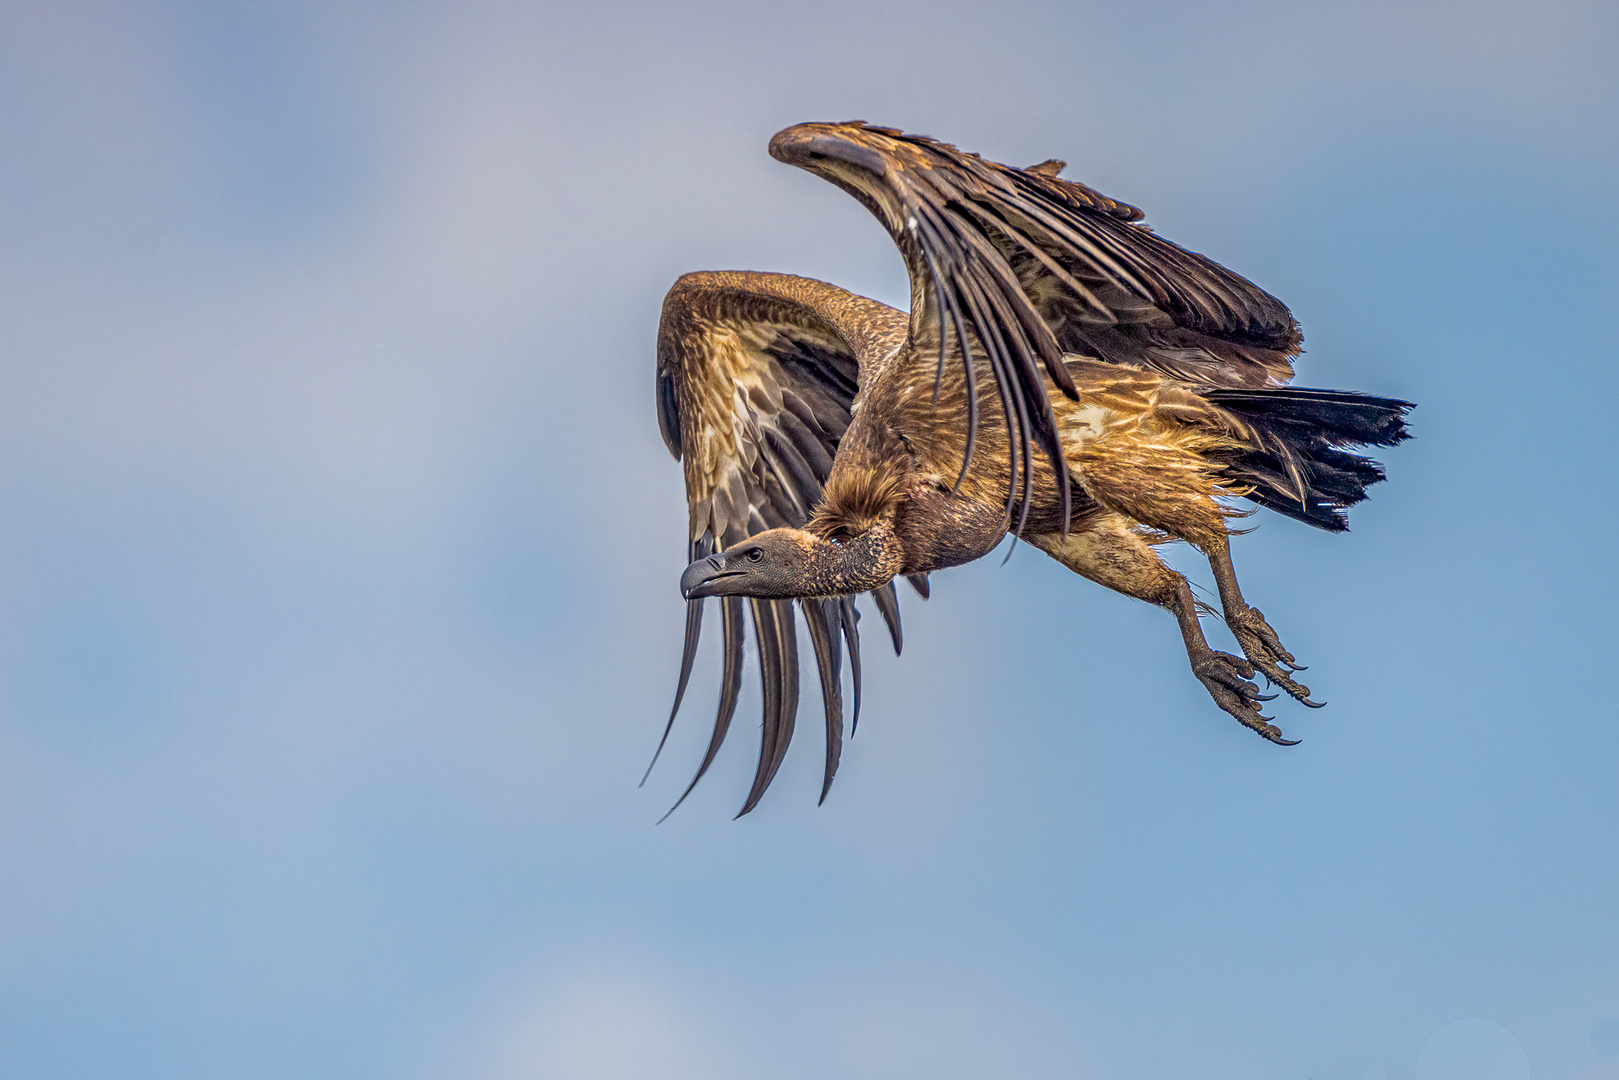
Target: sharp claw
<point x="1271" y="733"/>
<point x="1262" y="646"/>
<point x="1299" y="693"/>
<point x="1312" y="704"/>
<point x="1221" y="675"/>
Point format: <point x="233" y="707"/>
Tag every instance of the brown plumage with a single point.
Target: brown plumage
<point x="1064" y="374"/>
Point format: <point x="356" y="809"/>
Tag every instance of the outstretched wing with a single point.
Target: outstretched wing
<point x="757" y="374"/>
<point x="1021" y="267"/>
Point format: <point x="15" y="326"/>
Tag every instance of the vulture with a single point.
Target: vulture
<point x="1064" y="375"/>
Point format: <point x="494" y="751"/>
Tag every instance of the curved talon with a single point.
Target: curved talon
<point x="1297" y="691"/>
<point x="1271" y="733"/>
<point x="1261" y="645"/>
<point x="1226" y="677"/>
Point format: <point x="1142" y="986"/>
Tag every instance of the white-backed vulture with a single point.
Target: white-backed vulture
<point x="1064" y="374"/>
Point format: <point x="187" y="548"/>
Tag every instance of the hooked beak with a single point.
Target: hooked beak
<point x="703" y="577"/>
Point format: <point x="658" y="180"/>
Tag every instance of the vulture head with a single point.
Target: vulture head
<point x="786" y="564"/>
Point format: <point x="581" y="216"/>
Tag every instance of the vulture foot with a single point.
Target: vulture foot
<point x="1265" y="650"/>
<point x="1226" y="678"/>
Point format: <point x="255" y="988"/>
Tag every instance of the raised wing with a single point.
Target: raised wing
<point x="757" y="374"/>
<point x="1021" y="267"/>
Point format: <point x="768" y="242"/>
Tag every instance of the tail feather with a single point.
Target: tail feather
<point x="1296" y="463"/>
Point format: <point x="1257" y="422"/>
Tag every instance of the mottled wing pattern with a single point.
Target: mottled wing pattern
<point x="756" y="377"/>
<point x="1020" y="267"/>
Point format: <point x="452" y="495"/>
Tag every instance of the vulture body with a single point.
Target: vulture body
<point x="1064" y="374"/>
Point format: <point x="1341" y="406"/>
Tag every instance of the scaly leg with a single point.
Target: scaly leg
<point x="1259" y="642"/>
<point x="1110" y="552"/>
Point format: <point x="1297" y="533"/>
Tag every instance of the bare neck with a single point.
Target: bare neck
<point x="843" y="567"/>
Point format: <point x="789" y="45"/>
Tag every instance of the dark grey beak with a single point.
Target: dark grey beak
<point x="702" y="577"/>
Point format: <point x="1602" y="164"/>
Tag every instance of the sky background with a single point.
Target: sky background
<point x="338" y="561"/>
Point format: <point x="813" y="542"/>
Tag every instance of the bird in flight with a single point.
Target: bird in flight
<point x="1065" y="375"/>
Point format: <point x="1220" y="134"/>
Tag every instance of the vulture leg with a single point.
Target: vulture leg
<point x="1259" y="642"/>
<point x="1161" y="476"/>
<point x="1109" y="551"/>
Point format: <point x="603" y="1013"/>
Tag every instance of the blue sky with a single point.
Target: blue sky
<point x="338" y="554"/>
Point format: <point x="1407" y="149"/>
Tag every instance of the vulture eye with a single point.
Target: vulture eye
<point x="755" y="554"/>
